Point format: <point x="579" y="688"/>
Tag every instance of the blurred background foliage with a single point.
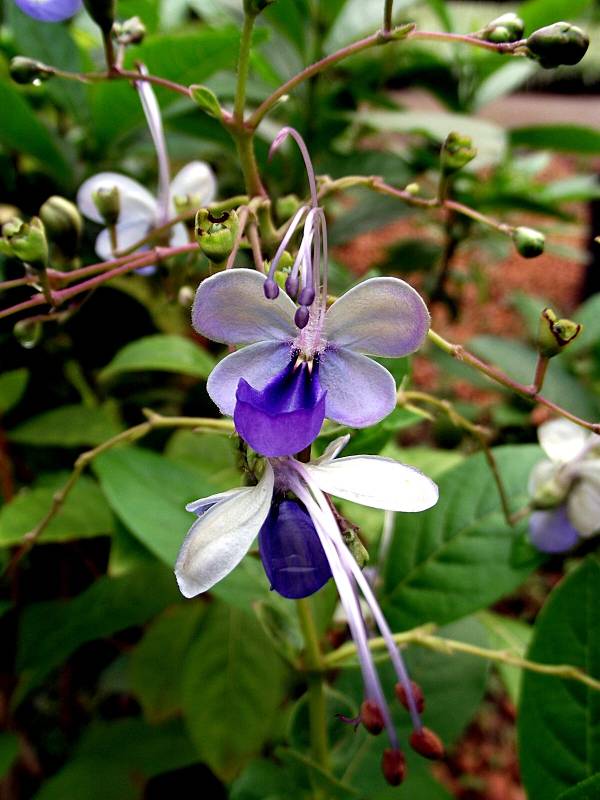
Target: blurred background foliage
<point x="112" y="687"/>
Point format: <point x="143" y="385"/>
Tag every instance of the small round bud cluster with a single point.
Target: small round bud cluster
<point x="528" y="242"/>
<point x="555" y="334"/>
<point x="26" y="241"/>
<point x="286" y="207"/>
<point x="28" y="70"/>
<point x="216" y="234"/>
<point x="132" y="31"/>
<point x="506" y="28"/>
<point x="558" y="44"/>
<point x="457" y="152"/>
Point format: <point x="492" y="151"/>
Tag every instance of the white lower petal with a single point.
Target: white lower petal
<point x="196" y="179"/>
<point x="135" y="200"/>
<point x="220" y="538"/>
<point x="333" y="449"/>
<point x="179" y="236"/>
<point x="583" y="504"/>
<point x="562" y="440"/>
<point x="198" y="506"/>
<point x="375" y="481"/>
<point x="127" y="235"/>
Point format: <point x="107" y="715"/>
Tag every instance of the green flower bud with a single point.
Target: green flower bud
<point x="506" y="28"/>
<point x="356" y="547"/>
<point x="28" y="333"/>
<point x="554" y="45"/>
<point x="108" y="202"/>
<point x="63" y="223"/>
<point x="132" y="31"/>
<point x="28" y="70"/>
<point x="102" y="12"/>
<point x="207" y="100"/>
<point x="528" y="242"/>
<point x="27" y="241"/>
<point x="254" y="7"/>
<point x="286" y="207"/>
<point x="456" y="153"/>
<point x="555" y="334"/>
<point x="216" y="233"/>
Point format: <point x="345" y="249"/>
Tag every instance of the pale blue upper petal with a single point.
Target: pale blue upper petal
<point x="49" y="10"/>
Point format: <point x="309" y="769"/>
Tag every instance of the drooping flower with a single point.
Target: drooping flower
<point x="305" y="361"/>
<point x="565" y="488"/>
<point x="140" y="212"/>
<point x="49" y="10"/>
<point x="301" y="548"/>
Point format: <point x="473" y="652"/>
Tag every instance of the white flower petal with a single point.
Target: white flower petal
<point x="562" y="440"/>
<point x="377" y="482"/>
<point x="197" y="506"/>
<point x="220" y="538"/>
<point x="127" y="235"/>
<point x="583" y="504"/>
<point x="332" y="450"/>
<point x="136" y="201"/>
<point x="197" y="180"/>
<point x="179" y="236"/>
<point x="543" y="472"/>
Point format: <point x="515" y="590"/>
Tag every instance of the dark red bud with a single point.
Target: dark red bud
<point x="426" y="743"/>
<point x="417" y="694"/>
<point x="393" y="766"/>
<point x="371" y="717"/>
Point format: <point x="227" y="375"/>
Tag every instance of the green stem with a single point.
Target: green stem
<point x="243" y="67"/>
<point x="387" y="15"/>
<point x="247" y="157"/>
<point x="316" y="694"/>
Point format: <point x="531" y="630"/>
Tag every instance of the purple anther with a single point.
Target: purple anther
<point x="271" y="289"/>
<point x="307" y="296"/>
<point x="292" y="284"/>
<point x="301" y="317"/>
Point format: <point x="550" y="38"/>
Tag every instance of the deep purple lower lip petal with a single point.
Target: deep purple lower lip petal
<point x="551" y="531"/>
<point x="291" y="552"/>
<point x="284" y="417"/>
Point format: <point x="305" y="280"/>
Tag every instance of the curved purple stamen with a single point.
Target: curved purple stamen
<point x="284" y="417"/>
<point x="291" y="551"/>
<point x="281" y="249"/>
<point x="277" y="141"/>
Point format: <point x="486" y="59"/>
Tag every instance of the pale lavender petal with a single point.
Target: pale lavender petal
<point x="128" y="233"/>
<point x="231" y="307"/>
<point x="583" y="504"/>
<point x="197" y="180"/>
<point x="551" y="531"/>
<point x="562" y="440"/>
<point x="136" y="201"/>
<point x="49" y="10"/>
<point x="380" y="316"/>
<point x="257" y="364"/>
<point x="360" y="392"/>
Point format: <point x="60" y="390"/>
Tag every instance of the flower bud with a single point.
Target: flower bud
<point x="207" y="100"/>
<point x="27" y="241"/>
<point x="356" y="547"/>
<point x="63" y="223"/>
<point x="28" y="70"/>
<point x="506" y="28"/>
<point x="558" y="44"/>
<point x="555" y="334"/>
<point x="102" y="12"/>
<point x="393" y="766"/>
<point x="216" y="234"/>
<point x="427" y="744"/>
<point x="107" y="200"/>
<point x="286" y="207"/>
<point x="132" y="31"/>
<point x="372" y="717"/>
<point x="417" y="695"/>
<point x="254" y="7"/>
<point x="456" y="153"/>
<point x="528" y="242"/>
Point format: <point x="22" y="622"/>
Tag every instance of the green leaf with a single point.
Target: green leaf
<point x="22" y="131"/>
<point x="430" y="461"/>
<point x="327" y="783"/>
<point x="12" y="388"/>
<point x="9" y="750"/>
<point x="67" y="426"/>
<point x="461" y="555"/>
<point x="161" y="352"/>
<point x="507" y="633"/>
<point x="83" y="515"/>
<point x="261" y="780"/>
<point x="519" y="360"/>
<point x="562" y="138"/>
<point x="232" y="687"/>
<point x="149" y="493"/>
<point x="559" y="719"/>
<point x="586" y="790"/>
<point x="588" y="315"/>
<point x="206" y="99"/>
<point x="50" y="632"/>
<point x="537" y="13"/>
<point x="211" y="455"/>
<point x="155" y="666"/>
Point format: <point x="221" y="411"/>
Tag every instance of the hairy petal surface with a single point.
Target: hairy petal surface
<point x="49" y="10"/>
<point x="286" y="415"/>
<point x="375" y="481"/>
<point x="137" y="204"/>
<point x="551" y="531"/>
<point x="231" y="307"/>
<point x="380" y="317"/>
<point x="257" y="364"/>
<point x="360" y="392"/>
<point x="221" y="537"/>
<point x="291" y="552"/>
<point x="562" y="440"/>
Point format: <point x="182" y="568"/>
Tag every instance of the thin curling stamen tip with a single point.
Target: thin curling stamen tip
<point x="276" y="143"/>
<point x="371" y="717"/>
<point x="393" y="766"/>
<point x="427" y="744"/>
<point x="417" y="694"/>
<point x="307" y="296"/>
<point x="301" y="317"/>
<point x="292" y="284"/>
<point x="271" y="289"/>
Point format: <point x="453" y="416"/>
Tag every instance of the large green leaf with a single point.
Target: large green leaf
<point x="232" y="687"/>
<point x="507" y="633"/>
<point x="519" y="360"/>
<point x="588" y="315"/>
<point x="50" y="632"/>
<point x="559" y="720"/>
<point x="67" y="426"/>
<point x="536" y="13"/>
<point x="211" y="455"/>
<point x="461" y="555"/>
<point x="163" y="352"/>
<point x="149" y="493"/>
<point x="566" y="138"/>
<point x="12" y="388"/>
<point x="589" y="789"/>
<point x="83" y="515"/>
